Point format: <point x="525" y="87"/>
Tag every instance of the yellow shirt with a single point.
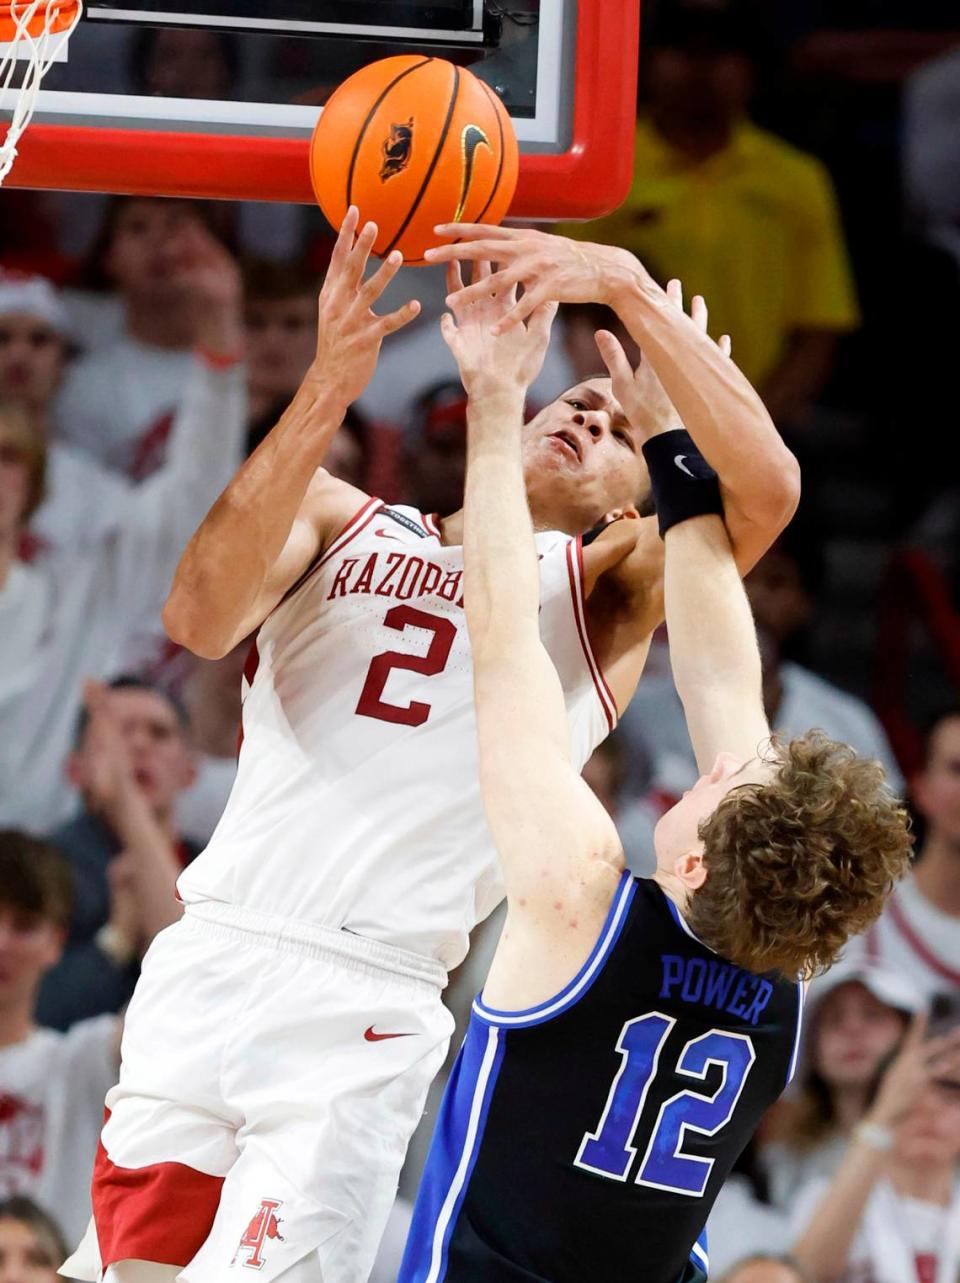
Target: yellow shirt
<point x="754" y="229"/>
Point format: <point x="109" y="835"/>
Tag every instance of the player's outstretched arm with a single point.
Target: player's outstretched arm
<point x="542" y="816"/>
<point x="716" y="403"/>
<point x="281" y="508"/>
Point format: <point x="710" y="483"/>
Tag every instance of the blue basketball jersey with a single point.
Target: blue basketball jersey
<point x="586" y="1138"/>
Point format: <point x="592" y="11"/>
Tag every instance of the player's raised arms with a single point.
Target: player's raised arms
<point x="545" y="821"/>
<point x="282" y="508"/>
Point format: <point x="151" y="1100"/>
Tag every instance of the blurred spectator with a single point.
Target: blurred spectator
<point x="856" y="1017"/>
<point x="765" y="1269"/>
<point x="281" y="332"/>
<point x="931" y="150"/>
<point x="579" y="323"/>
<point x="212" y="700"/>
<point x="919" y="931"/>
<point x="742" y="1222"/>
<point x="31" y="1243"/>
<point x="177" y="284"/>
<point x="184" y="62"/>
<point x="52" y="1085"/>
<point x="80" y="611"/>
<point x="608" y="774"/>
<point x="738" y="214"/>
<point x="782" y="589"/>
<point x="131" y="762"/>
<point x="436" y="449"/>
<point x="891" y="1212"/>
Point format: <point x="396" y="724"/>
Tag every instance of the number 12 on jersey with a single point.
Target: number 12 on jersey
<point x="609" y="1150"/>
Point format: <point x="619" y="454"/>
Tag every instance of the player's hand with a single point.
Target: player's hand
<point x="349" y="332"/>
<point x="639" y="391"/>
<point x="489" y="361"/>
<point x="919" y="1062"/>
<point x="550" y="268"/>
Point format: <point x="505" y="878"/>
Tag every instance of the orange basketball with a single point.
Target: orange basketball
<point x="414" y="141"/>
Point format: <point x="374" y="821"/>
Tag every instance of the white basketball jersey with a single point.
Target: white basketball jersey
<point x="357" y="799"/>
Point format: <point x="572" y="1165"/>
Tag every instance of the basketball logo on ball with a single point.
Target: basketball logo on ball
<point x="414" y="141"/>
<point x="396" y="150"/>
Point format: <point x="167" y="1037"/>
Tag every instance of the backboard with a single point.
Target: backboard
<point x="218" y="98"/>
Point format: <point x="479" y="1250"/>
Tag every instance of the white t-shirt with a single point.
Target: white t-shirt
<point x="119" y="401"/>
<point x="898" y="1240"/>
<point x="82" y="612"/>
<point x="52" y="1088"/>
<point x="656" y="727"/>
<point x="740" y="1226"/>
<point x="83" y="501"/>
<point x="915" y="938"/>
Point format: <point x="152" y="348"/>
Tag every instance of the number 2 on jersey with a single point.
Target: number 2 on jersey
<point x="609" y="1152"/>
<point x="371" y="702"/>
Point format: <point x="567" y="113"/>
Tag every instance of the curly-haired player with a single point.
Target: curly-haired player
<point x="632" y="1032"/>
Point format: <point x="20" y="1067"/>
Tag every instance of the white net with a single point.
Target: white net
<point x="35" y="53"/>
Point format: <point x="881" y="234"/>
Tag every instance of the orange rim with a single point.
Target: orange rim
<point x="60" y="14"/>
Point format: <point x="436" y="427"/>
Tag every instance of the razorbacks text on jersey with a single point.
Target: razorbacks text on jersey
<point x="587" y="1137"/>
<point x="357" y="799"/>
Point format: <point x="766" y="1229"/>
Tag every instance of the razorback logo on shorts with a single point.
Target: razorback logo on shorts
<point x="264" y="1225"/>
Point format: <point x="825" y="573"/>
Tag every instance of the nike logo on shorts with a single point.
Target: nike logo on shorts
<point x="370" y="1036"/>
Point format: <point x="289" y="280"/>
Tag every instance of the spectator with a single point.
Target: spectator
<point x="742" y="217"/>
<point x="212" y="700"/>
<point x="281" y="332"/>
<point x="579" y="323"/>
<point x="919" y="931"/>
<point x="80" y="612"/>
<point x="782" y="589"/>
<point x="194" y="62"/>
<point x="52" y="1085"/>
<point x="119" y="402"/>
<point x="130" y="763"/>
<point x="856" y="1017"/>
<point x="742" y="1222"/>
<point x="31" y="1243"/>
<point x="436" y="449"/>
<point x="891" y="1212"/>
<point x="765" y="1269"/>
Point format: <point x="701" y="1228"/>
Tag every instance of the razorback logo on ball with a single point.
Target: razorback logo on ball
<point x="264" y="1225"/>
<point x="397" y="149"/>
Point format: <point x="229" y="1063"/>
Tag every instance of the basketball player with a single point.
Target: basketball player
<point x="632" y="1032"/>
<point x="283" y="1035"/>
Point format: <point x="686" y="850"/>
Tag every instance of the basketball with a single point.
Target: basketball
<point x="414" y="141"/>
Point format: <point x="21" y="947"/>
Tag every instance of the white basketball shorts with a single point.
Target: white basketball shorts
<point x="272" y="1074"/>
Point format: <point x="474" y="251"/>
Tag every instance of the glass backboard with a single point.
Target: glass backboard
<point x="137" y="106"/>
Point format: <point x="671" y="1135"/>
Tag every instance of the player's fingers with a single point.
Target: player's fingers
<point x="541" y="321"/>
<point x="356" y="262"/>
<point x="454" y="277"/>
<point x="494" y="251"/>
<point x="613" y="356"/>
<point x="371" y="289"/>
<point x="915" y="1032"/>
<point x="698" y="311"/>
<point x="394" y="321"/>
<point x="499" y="283"/>
<point x="726" y="344"/>
<point x="448" y="328"/>
<point x="526" y="306"/>
<point x="482" y="271"/>
<point x="345" y="237"/>
<point x="479" y="231"/>
<point x="675" y="293"/>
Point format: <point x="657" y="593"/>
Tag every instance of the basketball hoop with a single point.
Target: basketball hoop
<point x="31" y="32"/>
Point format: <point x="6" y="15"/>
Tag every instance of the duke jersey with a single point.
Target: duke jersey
<point x="357" y="799"/>
<point x="587" y="1137"/>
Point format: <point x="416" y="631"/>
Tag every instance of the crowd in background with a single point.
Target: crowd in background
<point x="799" y="165"/>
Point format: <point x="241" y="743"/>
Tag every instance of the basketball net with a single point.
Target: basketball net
<point x="39" y="30"/>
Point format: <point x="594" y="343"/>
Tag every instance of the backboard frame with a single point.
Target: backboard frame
<point x="589" y="179"/>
